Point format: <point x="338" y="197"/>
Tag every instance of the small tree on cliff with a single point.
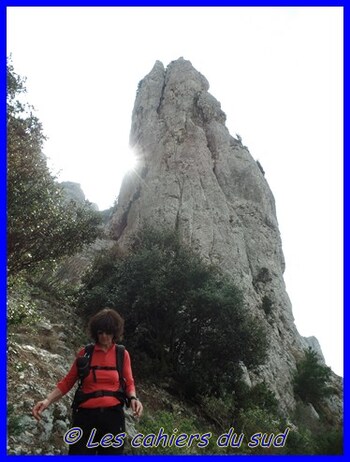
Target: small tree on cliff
<point x="40" y="225"/>
<point x="311" y="377"/>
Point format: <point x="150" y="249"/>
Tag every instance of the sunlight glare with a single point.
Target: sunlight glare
<point x="127" y="160"/>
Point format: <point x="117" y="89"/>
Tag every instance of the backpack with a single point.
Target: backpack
<point x="84" y="367"/>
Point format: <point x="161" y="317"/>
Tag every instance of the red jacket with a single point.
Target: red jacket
<point x="105" y="380"/>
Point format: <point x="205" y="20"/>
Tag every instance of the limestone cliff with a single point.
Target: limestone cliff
<point x="192" y="175"/>
<point x="73" y="192"/>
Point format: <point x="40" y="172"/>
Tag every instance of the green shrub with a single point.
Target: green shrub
<point x="21" y="308"/>
<point x="316" y="434"/>
<point x="300" y="442"/>
<point x="257" y="396"/>
<point x="220" y="410"/>
<point x="330" y="442"/>
<point x="256" y="420"/>
<point x="168" y="424"/>
<point x="15" y="426"/>
<point x="201" y="439"/>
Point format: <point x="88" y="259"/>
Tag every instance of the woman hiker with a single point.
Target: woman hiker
<point x="98" y="416"/>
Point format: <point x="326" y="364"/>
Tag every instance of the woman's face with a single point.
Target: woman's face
<point x="104" y="338"/>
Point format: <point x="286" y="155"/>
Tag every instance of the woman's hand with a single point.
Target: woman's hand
<point x="40" y="407"/>
<point x="136" y="407"/>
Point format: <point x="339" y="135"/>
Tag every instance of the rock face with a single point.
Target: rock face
<point x="74" y="192"/>
<point x="193" y="176"/>
<point x="312" y="342"/>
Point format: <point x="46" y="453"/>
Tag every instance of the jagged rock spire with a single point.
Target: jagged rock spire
<point x="192" y="175"/>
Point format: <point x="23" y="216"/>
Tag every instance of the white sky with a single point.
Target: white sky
<point x="278" y="73"/>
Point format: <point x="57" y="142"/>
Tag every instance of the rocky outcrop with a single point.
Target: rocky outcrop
<point x="73" y="192"/>
<point x="37" y="359"/>
<point x="313" y="343"/>
<point x="192" y="175"/>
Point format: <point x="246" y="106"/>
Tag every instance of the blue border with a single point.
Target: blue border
<point x="149" y="3"/>
<point x="3" y="225"/>
<point x="346" y="275"/>
<point x="173" y="3"/>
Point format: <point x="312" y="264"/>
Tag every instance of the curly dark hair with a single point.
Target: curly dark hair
<point x="109" y="321"/>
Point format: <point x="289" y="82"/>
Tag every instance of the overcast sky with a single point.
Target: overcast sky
<point x="278" y="75"/>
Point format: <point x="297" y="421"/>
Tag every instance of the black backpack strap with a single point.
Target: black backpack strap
<point x="120" y="350"/>
<point x="89" y="349"/>
<point x="83" y="362"/>
<point x="83" y="371"/>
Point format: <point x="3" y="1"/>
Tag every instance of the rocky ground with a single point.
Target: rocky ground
<point x="38" y="356"/>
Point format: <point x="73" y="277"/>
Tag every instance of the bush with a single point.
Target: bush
<point x="258" y="420"/>
<point x="330" y="442"/>
<point x="310" y="379"/>
<point x="15" y="425"/>
<point x="257" y="396"/>
<point x="202" y="442"/>
<point x="314" y="435"/>
<point x="172" y="425"/>
<point x="300" y="441"/>
<point x="220" y="410"/>
<point x="21" y="308"/>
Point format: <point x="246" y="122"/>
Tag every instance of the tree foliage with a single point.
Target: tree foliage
<point x="41" y="225"/>
<point x="311" y="377"/>
<point x="184" y="320"/>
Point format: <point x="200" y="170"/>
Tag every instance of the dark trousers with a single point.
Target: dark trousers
<point x="97" y="431"/>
